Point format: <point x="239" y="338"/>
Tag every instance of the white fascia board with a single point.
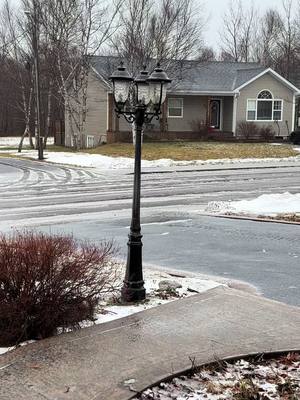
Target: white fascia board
<point x="275" y="74"/>
<point x="101" y="78"/>
<point x="201" y="93"/>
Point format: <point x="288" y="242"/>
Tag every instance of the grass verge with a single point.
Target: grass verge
<point x="187" y="151"/>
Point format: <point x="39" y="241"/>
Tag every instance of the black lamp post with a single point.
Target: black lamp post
<point x="139" y="100"/>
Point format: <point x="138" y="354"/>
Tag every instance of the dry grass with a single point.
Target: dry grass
<point x="187" y="150"/>
<point x="196" y="150"/>
<point x="283" y="217"/>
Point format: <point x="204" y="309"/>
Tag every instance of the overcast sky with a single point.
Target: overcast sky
<point x="215" y="10"/>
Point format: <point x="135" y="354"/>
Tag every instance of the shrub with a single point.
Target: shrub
<point x="246" y="130"/>
<point x="295" y="137"/>
<point x="267" y="133"/>
<point x="50" y="282"/>
<point x="201" y="128"/>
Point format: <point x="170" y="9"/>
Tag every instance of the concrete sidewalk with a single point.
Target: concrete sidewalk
<point x="113" y="360"/>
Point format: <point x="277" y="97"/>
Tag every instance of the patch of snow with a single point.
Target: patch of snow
<point x="275" y="379"/>
<point x="13" y="141"/>
<point x="190" y="286"/>
<point x="266" y="204"/>
<point x="105" y="162"/>
<point x="108" y="312"/>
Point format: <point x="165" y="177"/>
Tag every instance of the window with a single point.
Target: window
<point x="277" y="110"/>
<point x="265" y="94"/>
<point x="251" y="110"/>
<point x="175" y="108"/>
<point x="264" y="108"/>
<point x="89" y="141"/>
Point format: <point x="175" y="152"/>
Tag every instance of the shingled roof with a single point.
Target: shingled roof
<point x="194" y="76"/>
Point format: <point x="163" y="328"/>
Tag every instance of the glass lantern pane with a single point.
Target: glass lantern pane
<point x="143" y="93"/>
<point x="164" y="93"/>
<point x="155" y="88"/>
<point x="121" y="91"/>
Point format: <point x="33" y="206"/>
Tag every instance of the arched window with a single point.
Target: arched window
<point x="264" y="107"/>
<point x="265" y="94"/>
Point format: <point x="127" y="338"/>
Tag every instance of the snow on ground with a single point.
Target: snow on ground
<point x="105" y="162"/>
<point x="13" y="141"/>
<point x="266" y="204"/>
<point x="275" y="379"/>
<point x="110" y="310"/>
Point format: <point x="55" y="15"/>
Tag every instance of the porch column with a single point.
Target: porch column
<point x="234" y="113"/>
<point x="110" y="106"/>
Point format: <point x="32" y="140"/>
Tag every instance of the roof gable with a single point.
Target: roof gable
<point x="272" y="73"/>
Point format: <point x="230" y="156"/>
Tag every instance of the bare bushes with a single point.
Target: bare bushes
<point x="246" y="130"/>
<point x="47" y="282"/>
<point x="201" y="128"/>
<point x="249" y="130"/>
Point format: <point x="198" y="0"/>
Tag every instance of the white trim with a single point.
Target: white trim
<point x="275" y="74"/>
<point x="87" y="141"/>
<point x="294" y="112"/>
<point x="101" y="77"/>
<point x="234" y="113"/>
<point x="199" y="92"/>
<point x="220" y="111"/>
<point x="175" y="116"/>
<point x="107" y="111"/>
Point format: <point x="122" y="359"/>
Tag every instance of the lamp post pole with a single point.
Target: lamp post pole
<point x="148" y="93"/>
<point x="133" y="288"/>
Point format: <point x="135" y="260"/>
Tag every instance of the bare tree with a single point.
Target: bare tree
<point x="171" y="30"/>
<point x="17" y="57"/>
<point x="75" y="29"/>
<point x="237" y="34"/>
<point x="278" y="44"/>
<point x="232" y="28"/>
<point x="207" y="54"/>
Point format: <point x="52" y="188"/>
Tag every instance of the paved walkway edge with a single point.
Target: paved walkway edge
<point x="118" y="359"/>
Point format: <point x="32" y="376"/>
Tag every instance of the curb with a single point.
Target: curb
<point x="256" y="219"/>
<point x="224" y="168"/>
<point x="194" y="368"/>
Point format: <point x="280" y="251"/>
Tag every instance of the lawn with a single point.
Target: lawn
<point x="192" y="150"/>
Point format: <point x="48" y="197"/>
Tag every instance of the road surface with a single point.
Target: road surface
<point x="95" y="205"/>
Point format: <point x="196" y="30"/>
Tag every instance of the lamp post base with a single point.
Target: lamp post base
<point x="130" y="294"/>
<point x="133" y="287"/>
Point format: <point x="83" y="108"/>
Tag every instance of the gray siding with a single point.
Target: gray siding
<point x="279" y="91"/>
<point x="227" y="114"/>
<point x="194" y="109"/>
<point x="96" y="118"/>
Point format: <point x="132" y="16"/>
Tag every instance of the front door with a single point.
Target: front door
<point x="215" y="113"/>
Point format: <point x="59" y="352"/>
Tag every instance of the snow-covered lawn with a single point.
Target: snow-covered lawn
<point x="13" y="141"/>
<point x="275" y="379"/>
<point x="106" y="162"/>
<point x="265" y="205"/>
<point x="111" y="309"/>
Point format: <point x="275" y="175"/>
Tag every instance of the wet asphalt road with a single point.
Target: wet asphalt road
<point x="96" y="205"/>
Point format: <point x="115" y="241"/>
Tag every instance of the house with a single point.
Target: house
<point x="217" y="95"/>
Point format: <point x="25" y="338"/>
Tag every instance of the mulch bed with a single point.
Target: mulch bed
<point x="255" y="379"/>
